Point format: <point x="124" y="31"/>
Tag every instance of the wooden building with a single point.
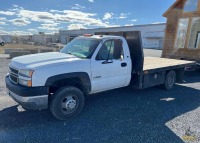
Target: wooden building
<point x="182" y="35"/>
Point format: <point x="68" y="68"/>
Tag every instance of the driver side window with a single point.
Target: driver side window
<point x="111" y="49"/>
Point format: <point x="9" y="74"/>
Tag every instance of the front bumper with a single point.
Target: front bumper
<point x="28" y="97"/>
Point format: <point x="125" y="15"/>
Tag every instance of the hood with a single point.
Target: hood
<point x="36" y="61"/>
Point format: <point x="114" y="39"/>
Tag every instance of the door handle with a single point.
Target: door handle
<point x="123" y="64"/>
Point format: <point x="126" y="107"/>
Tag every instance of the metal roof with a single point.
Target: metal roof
<point x="134" y="26"/>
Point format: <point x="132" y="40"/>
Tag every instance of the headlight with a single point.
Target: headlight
<point x="25" y="82"/>
<point x="26" y="77"/>
<point x="26" y="73"/>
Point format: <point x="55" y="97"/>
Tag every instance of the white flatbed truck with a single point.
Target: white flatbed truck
<point x="87" y="65"/>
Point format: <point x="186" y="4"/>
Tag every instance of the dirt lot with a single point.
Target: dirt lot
<point x="21" y="46"/>
<point x="124" y="115"/>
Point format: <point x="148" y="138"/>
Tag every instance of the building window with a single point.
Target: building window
<point x="195" y="33"/>
<point x="191" y="5"/>
<point x="181" y="33"/>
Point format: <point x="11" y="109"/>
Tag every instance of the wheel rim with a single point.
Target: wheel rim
<point x="171" y="80"/>
<point x="69" y="104"/>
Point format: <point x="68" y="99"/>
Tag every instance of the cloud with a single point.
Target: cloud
<point x="134" y="20"/>
<point x="123" y="16"/>
<point x="78" y="6"/>
<point x="2" y="32"/>
<point x="66" y="16"/>
<point x="14" y="5"/>
<point x="55" y="11"/>
<point x="129" y="24"/>
<point x="78" y="13"/>
<point x="113" y="25"/>
<point x="16" y="9"/>
<point x="20" y="21"/>
<point x="50" y="20"/>
<point x="69" y="16"/>
<point x="108" y="16"/>
<point x="37" y="16"/>
<point x="33" y="30"/>
<point x="91" y="0"/>
<point x="72" y="16"/>
<point x="50" y="26"/>
<point x="7" y="13"/>
<point x="2" y="23"/>
<point x="158" y="22"/>
<point x="76" y="26"/>
<point x="3" y="19"/>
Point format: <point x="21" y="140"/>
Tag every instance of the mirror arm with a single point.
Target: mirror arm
<point x="107" y="62"/>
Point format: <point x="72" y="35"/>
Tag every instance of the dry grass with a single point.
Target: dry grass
<point x="23" y="46"/>
<point x="19" y="46"/>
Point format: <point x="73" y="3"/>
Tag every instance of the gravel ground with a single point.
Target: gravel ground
<point x="124" y="115"/>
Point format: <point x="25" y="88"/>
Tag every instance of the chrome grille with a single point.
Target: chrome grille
<point x="14" y="73"/>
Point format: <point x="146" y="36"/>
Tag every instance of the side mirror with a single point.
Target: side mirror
<point x="121" y="58"/>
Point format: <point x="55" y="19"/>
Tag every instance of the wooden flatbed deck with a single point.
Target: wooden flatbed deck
<point x="154" y="63"/>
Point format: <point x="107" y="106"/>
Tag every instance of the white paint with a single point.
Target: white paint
<point x="112" y="75"/>
<point x="46" y="65"/>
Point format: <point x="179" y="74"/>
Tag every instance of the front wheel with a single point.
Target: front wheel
<point x="170" y="80"/>
<point x="67" y="102"/>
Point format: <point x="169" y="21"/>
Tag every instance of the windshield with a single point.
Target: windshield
<point x="81" y="47"/>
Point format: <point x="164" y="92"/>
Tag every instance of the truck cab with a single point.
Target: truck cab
<point x="90" y="64"/>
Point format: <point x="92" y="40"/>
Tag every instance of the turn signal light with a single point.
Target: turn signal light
<point x="88" y="35"/>
<point x="29" y="83"/>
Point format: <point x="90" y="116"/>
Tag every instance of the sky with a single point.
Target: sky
<point x="24" y="17"/>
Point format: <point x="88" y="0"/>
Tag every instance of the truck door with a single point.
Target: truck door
<point x="109" y="67"/>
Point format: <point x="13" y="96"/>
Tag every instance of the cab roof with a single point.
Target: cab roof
<point x="100" y="36"/>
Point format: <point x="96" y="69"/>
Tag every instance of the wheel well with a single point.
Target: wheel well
<point x="75" y="81"/>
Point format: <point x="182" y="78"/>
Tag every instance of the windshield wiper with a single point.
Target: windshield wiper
<point x="76" y="55"/>
<point x="71" y="54"/>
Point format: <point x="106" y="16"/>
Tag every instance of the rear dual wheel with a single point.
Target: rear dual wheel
<point x="170" y="80"/>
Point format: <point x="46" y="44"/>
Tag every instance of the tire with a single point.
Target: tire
<point x="67" y="102"/>
<point x="170" y="80"/>
<point x="2" y="44"/>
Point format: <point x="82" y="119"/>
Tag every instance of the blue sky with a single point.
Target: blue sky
<point x="33" y="16"/>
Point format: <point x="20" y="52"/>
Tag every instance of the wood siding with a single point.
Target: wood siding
<point x="169" y="50"/>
